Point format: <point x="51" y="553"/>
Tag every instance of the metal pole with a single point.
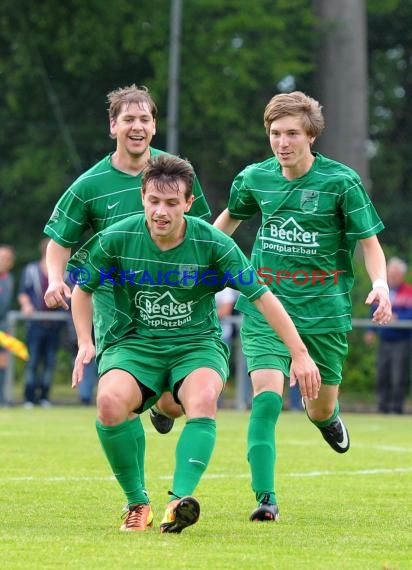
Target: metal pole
<point x="172" y="141"/>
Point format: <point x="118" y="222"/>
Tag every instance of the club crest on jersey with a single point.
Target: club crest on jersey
<point x="190" y="273"/>
<point x="309" y="201"/>
<point x="81" y="255"/>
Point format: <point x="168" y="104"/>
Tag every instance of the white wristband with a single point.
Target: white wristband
<point x="380" y="283"/>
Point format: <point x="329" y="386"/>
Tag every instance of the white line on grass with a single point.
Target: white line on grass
<point x="395" y="448"/>
<point x="379" y="471"/>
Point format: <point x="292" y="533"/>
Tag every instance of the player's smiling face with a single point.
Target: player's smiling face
<point x="164" y="207"/>
<point x="133" y="128"/>
<point x="291" y="145"/>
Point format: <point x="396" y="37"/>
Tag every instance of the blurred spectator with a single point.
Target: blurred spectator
<point x="295" y="398"/>
<point x="43" y="337"/>
<point x="6" y="296"/>
<point x="394" y="344"/>
<point x="225" y="301"/>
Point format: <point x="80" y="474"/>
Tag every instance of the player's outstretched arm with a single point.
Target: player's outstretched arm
<point x="375" y="265"/>
<point x="303" y="369"/>
<point x="82" y="312"/>
<point x="58" y="291"/>
<point x="226" y="223"/>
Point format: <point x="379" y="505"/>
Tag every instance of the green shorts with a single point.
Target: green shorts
<point x="264" y="349"/>
<point x="158" y="365"/>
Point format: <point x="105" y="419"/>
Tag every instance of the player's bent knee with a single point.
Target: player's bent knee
<point x="203" y="406"/>
<point x="111" y="409"/>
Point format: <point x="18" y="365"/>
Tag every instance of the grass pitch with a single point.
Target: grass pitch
<point x="60" y="506"/>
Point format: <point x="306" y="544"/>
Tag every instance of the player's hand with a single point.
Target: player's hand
<point x="304" y="371"/>
<point x="383" y="313"/>
<point x="85" y="354"/>
<point x="56" y="295"/>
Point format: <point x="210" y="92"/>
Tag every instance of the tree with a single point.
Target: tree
<point x="390" y="61"/>
<point x="61" y="59"/>
<point x="342" y="81"/>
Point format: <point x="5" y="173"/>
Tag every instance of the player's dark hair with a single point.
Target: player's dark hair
<point x="128" y="95"/>
<point x="166" y="171"/>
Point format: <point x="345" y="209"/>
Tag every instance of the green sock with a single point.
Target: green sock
<point x="139" y="433"/>
<point x="193" y="452"/>
<point x="333" y="417"/>
<point x="120" y="447"/>
<point x="266" y="408"/>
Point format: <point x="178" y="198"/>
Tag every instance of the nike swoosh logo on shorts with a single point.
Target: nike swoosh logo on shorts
<point x="110" y="206"/>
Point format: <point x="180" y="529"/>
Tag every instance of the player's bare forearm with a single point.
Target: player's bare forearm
<point x="226" y="223"/>
<point x="82" y="312"/>
<point x="57" y="257"/>
<point x="277" y="317"/>
<point x="375" y="262"/>
<point x="57" y="291"/>
<point x="375" y="265"/>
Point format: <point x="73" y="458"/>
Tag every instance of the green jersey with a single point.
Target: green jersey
<point x="101" y="197"/>
<point x="164" y="294"/>
<point x="310" y="225"/>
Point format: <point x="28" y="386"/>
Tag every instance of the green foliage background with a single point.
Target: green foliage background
<point x="58" y="61"/>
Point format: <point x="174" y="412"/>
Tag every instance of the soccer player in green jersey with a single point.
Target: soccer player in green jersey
<point x="106" y="193"/>
<point x="314" y="210"/>
<point x="165" y="268"/>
